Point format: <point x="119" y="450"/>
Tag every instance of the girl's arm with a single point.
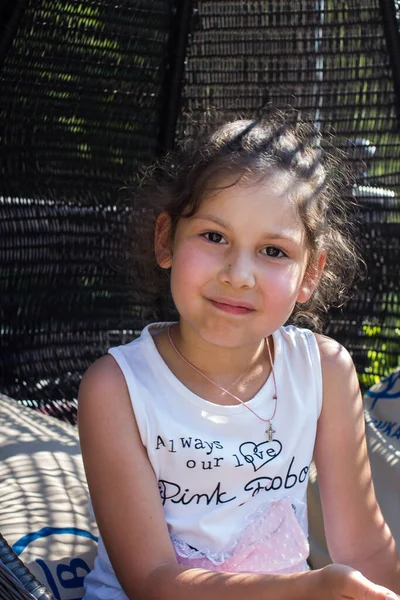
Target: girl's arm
<point x="129" y="513"/>
<point x="356" y="532"/>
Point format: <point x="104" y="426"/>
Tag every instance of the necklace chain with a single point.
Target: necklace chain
<point x="270" y="430"/>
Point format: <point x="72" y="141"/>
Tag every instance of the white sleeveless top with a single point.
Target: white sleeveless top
<point x="229" y="495"/>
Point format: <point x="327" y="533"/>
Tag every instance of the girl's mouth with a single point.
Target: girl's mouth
<point x="233" y="309"/>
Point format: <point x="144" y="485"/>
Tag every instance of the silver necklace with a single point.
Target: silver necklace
<point x="270" y="431"/>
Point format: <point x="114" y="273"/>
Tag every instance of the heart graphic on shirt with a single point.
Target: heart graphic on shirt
<point x="260" y="454"/>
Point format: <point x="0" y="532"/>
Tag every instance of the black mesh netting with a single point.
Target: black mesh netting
<point x="84" y="89"/>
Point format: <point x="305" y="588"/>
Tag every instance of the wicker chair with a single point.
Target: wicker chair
<point x="89" y="93"/>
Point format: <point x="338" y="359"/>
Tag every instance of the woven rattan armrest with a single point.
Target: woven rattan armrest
<point x="16" y="581"/>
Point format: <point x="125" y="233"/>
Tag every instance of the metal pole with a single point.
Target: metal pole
<point x="390" y="11"/>
<point x="181" y="15"/>
<point x="319" y="63"/>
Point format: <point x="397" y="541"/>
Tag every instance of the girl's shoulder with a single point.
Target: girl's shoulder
<point x="108" y="374"/>
<point x="143" y="343"/>
<point x="106" y="371"/>
<point x="331" y="353"/>
<point x="329" y="358"/>
<point x="294" y="333"/>
<point x="296" y="340"/>
<point x="341" y="389"/>
<point x="335" y="359"/>
<point x="103" y="378"/>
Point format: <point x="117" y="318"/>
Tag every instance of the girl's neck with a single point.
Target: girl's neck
<point x="215" y="360"/>
<point x="243" y="371"/>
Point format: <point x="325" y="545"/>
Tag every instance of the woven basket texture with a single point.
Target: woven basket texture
<point x="16" y="581"/>
<point x="84" y="89"/>
<point x="83" y="93"/>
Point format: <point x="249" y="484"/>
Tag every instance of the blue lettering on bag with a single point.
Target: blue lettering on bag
<point x="20" y="545"/>
<point x="68" y="576"/>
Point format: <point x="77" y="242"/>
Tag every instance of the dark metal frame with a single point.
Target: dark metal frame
<point x="391" y="25"/>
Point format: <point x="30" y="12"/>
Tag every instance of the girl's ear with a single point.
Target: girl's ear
<point x="163" y="241"/>
<point x="311" y="278"/>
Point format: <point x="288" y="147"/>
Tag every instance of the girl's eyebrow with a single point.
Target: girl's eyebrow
<point x="214" y="219"/>
<point x="287" y="235"/>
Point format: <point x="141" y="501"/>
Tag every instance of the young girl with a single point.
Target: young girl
<point x="197" y="437"/>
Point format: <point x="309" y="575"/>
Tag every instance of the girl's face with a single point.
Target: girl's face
<point x="239" y="265"/>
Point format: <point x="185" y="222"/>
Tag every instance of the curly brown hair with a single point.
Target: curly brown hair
<point x="252" y="151"/>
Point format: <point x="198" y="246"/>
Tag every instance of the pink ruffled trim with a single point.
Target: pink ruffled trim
<point x="272" y="542"/>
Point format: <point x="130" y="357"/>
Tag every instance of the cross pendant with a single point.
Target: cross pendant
<point x="270" y="432"/>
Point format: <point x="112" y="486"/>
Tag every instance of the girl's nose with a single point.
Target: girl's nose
<point x="238" y="271"/>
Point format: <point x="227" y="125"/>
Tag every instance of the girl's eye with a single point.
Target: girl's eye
<point x="273" y="252"/>
<point x="214" y="237"/>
